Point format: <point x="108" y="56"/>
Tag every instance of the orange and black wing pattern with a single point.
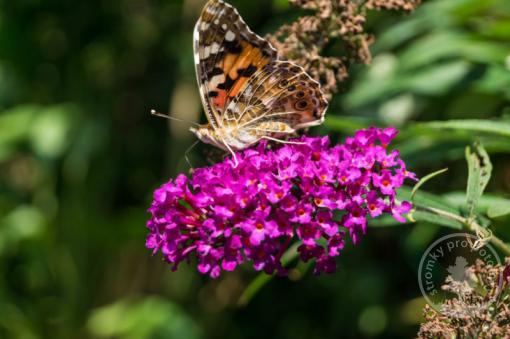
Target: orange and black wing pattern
<point x="227" y="55"/>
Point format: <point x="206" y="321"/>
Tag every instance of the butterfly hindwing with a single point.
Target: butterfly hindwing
<point x="227" y="54"/>
<point x="280" y="93"/>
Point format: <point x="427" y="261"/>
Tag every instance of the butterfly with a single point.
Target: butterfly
<point x="248" y="93"/>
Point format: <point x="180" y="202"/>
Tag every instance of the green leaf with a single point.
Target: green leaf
<point x="262" y="279"/>
<point x="424" y="200"/>
<point x="430" y="80"/>
<point x="485" y="202"/>
<point x="448" y="44"/>
<point x="425" y="179"/>
<point x="480" y="170"/>
<point x="499" y="209"/>
<point x="496" y="79"/>
<point x="252" y="289"/>
<point x="436" y="148"/>
<point x="434" y="80"/>
<point x="431" y="48"/>
<point x="496" y="127"/>
<point x="436" y="219"/>
<point x="400" y="33"/>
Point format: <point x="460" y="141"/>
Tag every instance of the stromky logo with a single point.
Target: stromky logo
<point x="450" y="255"/>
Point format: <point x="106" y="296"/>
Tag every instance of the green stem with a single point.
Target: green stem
<point x="470" y="224"/>
<point x="497" y="242"/>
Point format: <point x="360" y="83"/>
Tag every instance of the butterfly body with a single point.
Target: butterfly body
<point x="227" y="135"/>
<point x="248" y="94"/>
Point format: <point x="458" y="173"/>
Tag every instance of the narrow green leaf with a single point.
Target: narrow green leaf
<point x="496" y="127"/>
<point x="443" y="76"/>
<point x="262" y="279"/>
<point x="425" y="179"/>
<point x="432" y="80"/>
<point x="437" y="46"/>
<point x="426" y="199"/>
<point x="252" y="289"/>
<point x="436" y="219"/>
<point x="480" y="169"/>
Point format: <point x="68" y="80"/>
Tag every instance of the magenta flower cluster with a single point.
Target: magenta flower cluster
<point x="309" y="192"/>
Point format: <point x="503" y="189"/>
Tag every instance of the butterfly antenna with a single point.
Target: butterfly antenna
<point x="169" y="117"/>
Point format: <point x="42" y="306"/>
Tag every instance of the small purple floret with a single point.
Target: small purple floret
<point x="313" y="193"/>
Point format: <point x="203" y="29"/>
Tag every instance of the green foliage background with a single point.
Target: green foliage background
<point x="80" y="156"/>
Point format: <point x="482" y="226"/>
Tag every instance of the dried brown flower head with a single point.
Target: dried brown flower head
<point x="305" y="41"/>
<point x="480" y="308"/>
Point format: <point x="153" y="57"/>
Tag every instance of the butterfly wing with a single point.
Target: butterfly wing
<point x="278" y="99"/>
<point x="227" y="54"/>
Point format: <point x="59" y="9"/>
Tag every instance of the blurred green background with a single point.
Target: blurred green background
<point x="80" y="156"/>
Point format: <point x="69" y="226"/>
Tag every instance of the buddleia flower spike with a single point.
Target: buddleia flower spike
<point x="312" y="193"/>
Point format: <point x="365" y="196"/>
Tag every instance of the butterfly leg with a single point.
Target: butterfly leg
<point x="236" y="163"/>
<point x="186" y="154"/>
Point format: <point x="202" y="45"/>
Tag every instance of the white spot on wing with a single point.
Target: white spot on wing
<point x="230" y="36"/>
<point x="216" y="80"/>
<point x="206" y="52"/>
<point x="215" y="48"/>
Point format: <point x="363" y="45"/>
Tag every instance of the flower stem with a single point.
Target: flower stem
<point x="501" y="245"/>
<point x="469" y="224"/>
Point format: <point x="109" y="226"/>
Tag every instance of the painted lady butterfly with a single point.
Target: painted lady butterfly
<point x="248" y="94"/>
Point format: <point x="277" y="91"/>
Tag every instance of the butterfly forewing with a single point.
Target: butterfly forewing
<point x="227" y="53"/>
